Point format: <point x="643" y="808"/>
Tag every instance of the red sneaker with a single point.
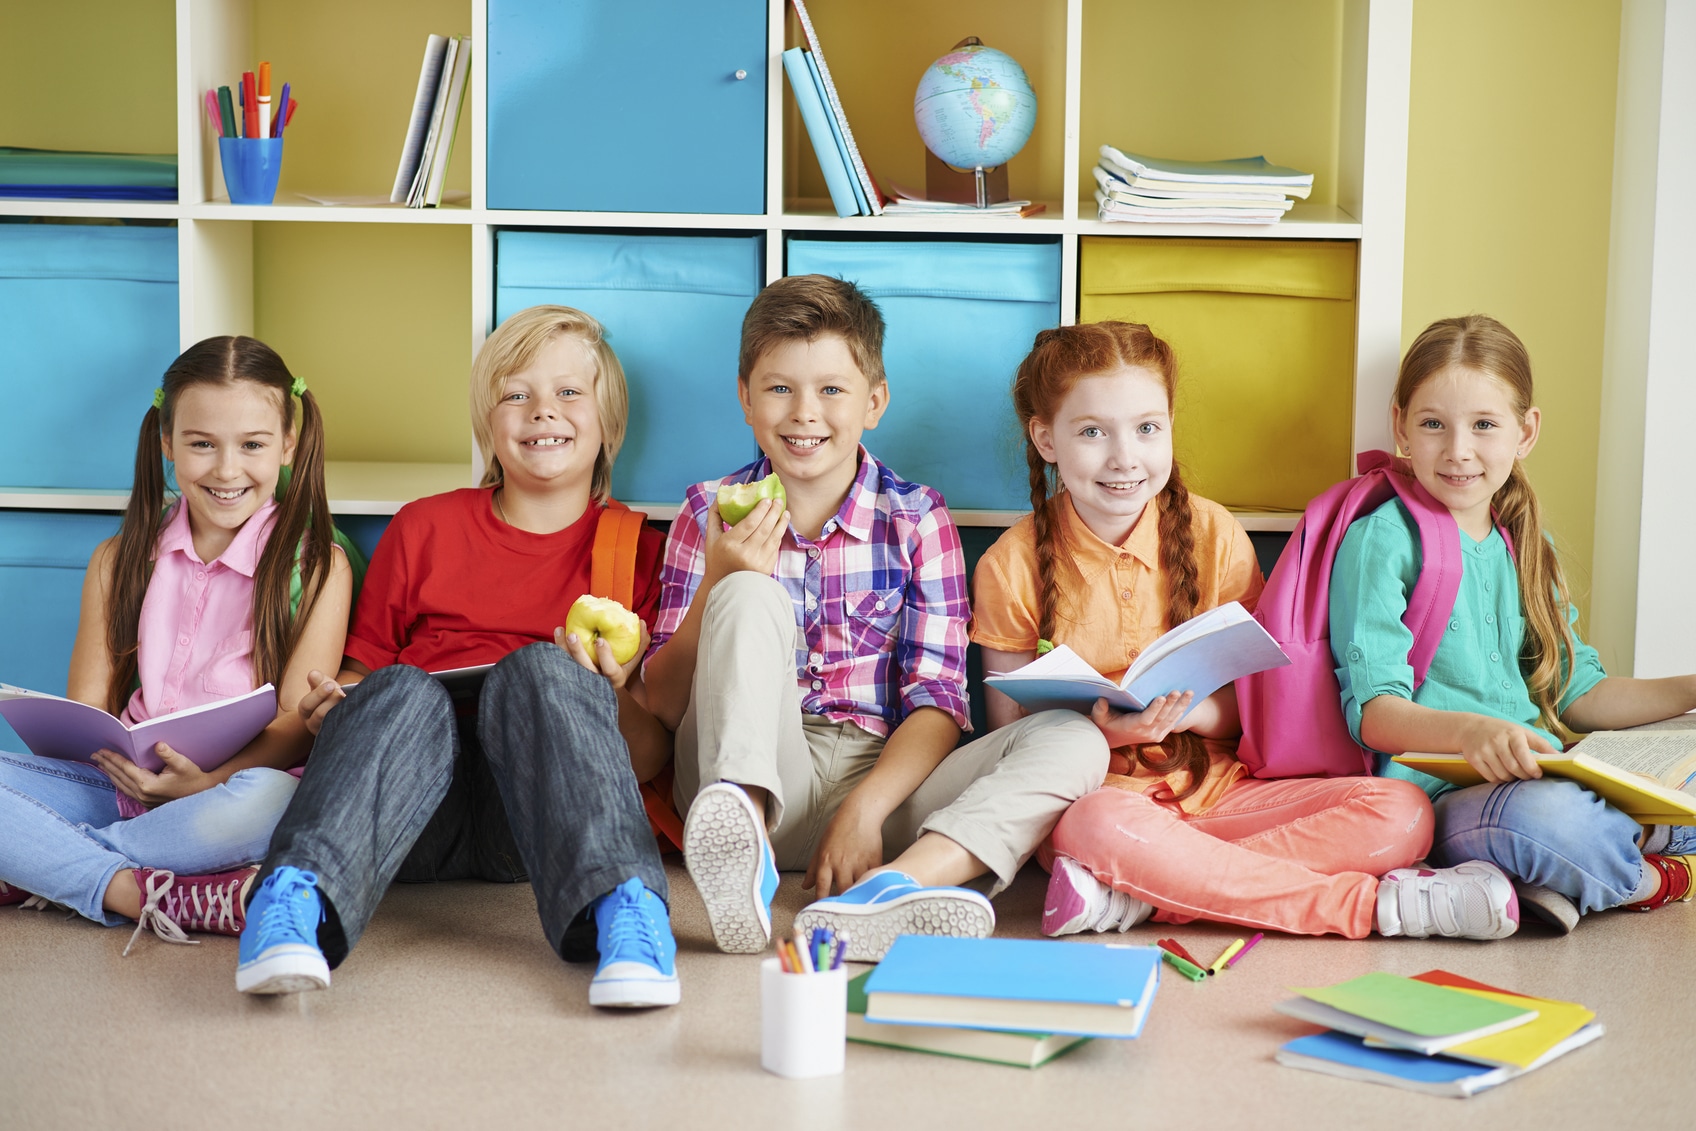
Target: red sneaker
<point x="1675" y="881"/>
<point x="172" y="904"/>
<point x="10" y="895"/>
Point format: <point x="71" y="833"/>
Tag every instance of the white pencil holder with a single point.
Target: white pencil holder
<point x="803" y="1021"/>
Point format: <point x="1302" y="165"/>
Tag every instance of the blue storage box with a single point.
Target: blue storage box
<point x="673" y="308"/>
<point x="629" y="107"/>
<point x="88" y="323"/>
<point x="43" y="556"/>
<point x="960" y="317"/>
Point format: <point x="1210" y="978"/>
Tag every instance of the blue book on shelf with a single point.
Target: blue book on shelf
<point x="836" y="132"/>
<point x="813" y="116"/>
<point x="1027" y="985"/>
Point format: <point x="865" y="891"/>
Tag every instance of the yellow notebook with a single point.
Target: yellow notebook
<point x="1523" y="1047"/>
<point x="1647" y="773"/>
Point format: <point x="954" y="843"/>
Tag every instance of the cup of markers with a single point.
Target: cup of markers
<point x="804" y="1006"/>
<point x="249" y="127"/>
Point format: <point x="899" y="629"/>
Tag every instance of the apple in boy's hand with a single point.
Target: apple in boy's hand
<point x="737" y="500"/>
<point x="600" y="616"/>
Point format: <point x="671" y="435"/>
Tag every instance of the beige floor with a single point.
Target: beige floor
<point x="453" y="1013"/>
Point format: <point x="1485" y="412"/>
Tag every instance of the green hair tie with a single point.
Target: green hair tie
<point x="159" y="398"/>
<point x="1043" y="647"/>
<point x="299" y="387"/>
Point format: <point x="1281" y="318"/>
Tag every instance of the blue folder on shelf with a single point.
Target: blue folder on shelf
<point x="52" y="174"/>
<point x="838" y="177"/>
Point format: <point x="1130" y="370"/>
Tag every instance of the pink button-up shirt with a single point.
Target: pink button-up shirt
<point x="196" y="630"/>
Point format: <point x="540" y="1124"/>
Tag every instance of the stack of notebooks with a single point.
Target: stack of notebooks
<point x="51" y="174"/>
<point x="1436" y="1032"/>
<point x="428" y="145"/>
<point x="1152" y="190"/>
<point x="853" y="192"/>
<point x="1011" y="1001"/>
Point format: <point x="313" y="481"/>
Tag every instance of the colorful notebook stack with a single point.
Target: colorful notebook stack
<point x="1436" y="1032"/>
<point x="52" y="174"/>
<point x="1013" y="1001"/>
<point x="428" y="146"/>
<point x="853" y="192"/>
<point x="1153" y="190"/>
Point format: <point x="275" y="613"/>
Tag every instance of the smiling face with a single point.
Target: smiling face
<point x="1111" y="441"/>
<point x="1462" y="433"/>
<point x="546" y="426"/>
<point x="229" y="444"/>
<point x="808" y="403"/>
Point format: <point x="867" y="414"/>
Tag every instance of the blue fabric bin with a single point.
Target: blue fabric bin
<point x="960" y="316"/>
<point x="673" y="308"/>
<point x="43" y="556"/>
<point x="88" y="323"/>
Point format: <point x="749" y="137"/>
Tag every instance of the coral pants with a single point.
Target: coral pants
<point x="1298" y="855"/>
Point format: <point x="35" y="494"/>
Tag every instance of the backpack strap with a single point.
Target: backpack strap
<point x="1432" y="601"/>
<point x="612" y="573"/>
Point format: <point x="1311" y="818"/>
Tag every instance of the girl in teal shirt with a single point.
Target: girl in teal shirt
<point x="1510" y="678"/>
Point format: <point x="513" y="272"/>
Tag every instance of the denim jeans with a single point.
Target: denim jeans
<point x="1552" y="832"/>
<point x="538" y="783"/>
<point x="61" y="836"/>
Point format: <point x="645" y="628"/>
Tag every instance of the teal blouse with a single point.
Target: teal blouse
<point x="1476" y="667"/>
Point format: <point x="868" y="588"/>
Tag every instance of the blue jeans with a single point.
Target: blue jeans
<point x="1551" y="832"/>
<point x="537" y="783"/>
<point x="61" y="836"/>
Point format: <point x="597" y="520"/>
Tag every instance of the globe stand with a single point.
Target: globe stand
<point x="980" y="187"/>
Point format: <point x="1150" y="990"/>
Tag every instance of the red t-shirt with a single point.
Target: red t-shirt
<point x="452" y="586"/>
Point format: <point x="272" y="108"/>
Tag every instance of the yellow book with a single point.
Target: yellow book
<point x="1523" y="1047"/>
<point x="1648" y="773"/>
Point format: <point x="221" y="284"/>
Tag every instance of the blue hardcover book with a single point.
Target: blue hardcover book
<point x="1026" y="985"/>
<point x="1339" y="1054"/>
<point x="819" y="132"/>
<point x="836" y="132"/>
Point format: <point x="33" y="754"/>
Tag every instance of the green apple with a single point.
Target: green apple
<point x="599" y="616"/>
<point x="737" y="500"/>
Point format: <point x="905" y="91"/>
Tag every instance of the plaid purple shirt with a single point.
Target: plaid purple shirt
<point x="880" y="598"/>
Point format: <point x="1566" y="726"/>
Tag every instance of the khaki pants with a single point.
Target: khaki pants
<point x="997" y="798"/>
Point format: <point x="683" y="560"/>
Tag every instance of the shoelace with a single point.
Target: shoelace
<point x="207" y="907"/>
<point x="157" y="886"/>
<point x="285" y="914"/>
<point x="630" y="926"/>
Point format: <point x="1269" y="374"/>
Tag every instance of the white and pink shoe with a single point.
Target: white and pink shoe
<point x="1077" y="901"/>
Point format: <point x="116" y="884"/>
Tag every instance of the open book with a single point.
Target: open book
<point x="1647" y="772"/>
<point x="1201" y="655"/>
<point x="208" y="735"/>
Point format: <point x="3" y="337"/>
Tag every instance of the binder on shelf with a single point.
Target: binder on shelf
<point x="836" y="127"/>
<point x="819" y="131"/>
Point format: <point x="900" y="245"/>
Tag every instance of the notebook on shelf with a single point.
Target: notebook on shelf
<point x="208" y="735"/>
<point x="1001" y="1046"/>
<point x="1242" y="172"/>
<point x="817" y="121"/>
<point x="1201" y="655"/>
<point x="1022" y="985"/>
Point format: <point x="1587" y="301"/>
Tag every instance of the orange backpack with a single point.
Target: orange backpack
<point x="612" y="574"/>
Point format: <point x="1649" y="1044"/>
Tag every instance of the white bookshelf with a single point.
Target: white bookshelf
<point x="215" y="238"/>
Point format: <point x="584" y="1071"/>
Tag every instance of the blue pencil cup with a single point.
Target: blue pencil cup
<point x="251" y="167"/>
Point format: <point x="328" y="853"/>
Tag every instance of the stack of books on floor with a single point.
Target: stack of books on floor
<point x="428" y="145"/>
<point x="52" y="174"/>
<point x="853" y="191"/>
<point x="1436" y="1032"/>
<point x="1153" y="190"/>
<point x="1011" y="1001"/>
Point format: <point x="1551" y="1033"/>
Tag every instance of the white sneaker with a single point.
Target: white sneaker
<point x="1077" y="901"/>
<point x="730" y="860"/>
<point x="1474" y="900"/>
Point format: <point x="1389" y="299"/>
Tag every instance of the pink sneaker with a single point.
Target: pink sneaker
<point x="1077" y="901"/>
<point x="172" y="904"/>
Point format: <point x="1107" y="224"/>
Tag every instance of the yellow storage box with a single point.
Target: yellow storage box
<point x="1264" y="333"/>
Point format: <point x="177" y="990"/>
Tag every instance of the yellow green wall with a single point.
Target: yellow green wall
<point x="1510" y="158"/>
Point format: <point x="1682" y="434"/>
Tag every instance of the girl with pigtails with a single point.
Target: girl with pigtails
<point x="226" y="586"/>
<point x="1115" y="553"/>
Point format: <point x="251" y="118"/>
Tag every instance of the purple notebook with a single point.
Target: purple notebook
<point x="208" y="735"/>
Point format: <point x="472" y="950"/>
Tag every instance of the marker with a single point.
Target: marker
<point x="294" y="105"/>
<point x="227" y="111"/>
<point x="249" y="105"/>
<point x="1173" y="946"/>
<point x="1230" y="952"/>
<point x="282" y="111"/>
<point x="1258" y="935"/>
<point x="212" y="113"/>
<point x="264" y="101"/>
<point x="1188" y="969"/>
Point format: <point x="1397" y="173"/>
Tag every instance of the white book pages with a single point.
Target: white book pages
<point x="415" y="195"/>
<point x="412" y="146"/>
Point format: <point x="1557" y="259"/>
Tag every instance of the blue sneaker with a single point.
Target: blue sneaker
<point x="279" y="945"/>
<point x="729" y="858"/>
<point x="638" y="954"/>
<point x="886" y="904"/>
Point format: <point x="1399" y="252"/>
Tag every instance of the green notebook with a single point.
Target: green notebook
<point x="1404" y="1012"/>
<point x="1025" y="1050"/>
<point x="107" y="170"/>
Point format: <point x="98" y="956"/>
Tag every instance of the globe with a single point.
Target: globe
<point x="975" y="107"/>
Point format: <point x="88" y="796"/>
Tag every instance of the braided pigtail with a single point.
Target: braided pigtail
<point x="1179" y="575"/>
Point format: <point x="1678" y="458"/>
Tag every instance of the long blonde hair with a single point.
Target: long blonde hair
<point x="1058" y="360"/>
<point x="1479" y="342"/>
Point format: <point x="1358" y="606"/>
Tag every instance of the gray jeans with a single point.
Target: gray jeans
<point x="538" y="782"/>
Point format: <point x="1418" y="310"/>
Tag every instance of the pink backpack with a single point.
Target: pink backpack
<point x="1293" y="722"/>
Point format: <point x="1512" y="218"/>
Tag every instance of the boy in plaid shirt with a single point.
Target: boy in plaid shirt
<point x="812" y="661"/>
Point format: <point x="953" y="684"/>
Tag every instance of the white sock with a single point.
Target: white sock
<point x="1648" y="886"/>
<point x="1656" y="838"/>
